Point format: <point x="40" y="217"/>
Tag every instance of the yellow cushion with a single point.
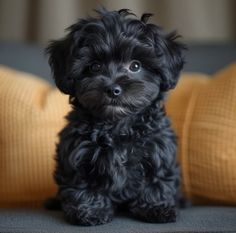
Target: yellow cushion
<point x="203" y="111"/>
<point x="31" y="114"/>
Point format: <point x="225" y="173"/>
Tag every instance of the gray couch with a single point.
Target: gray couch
<point x="201" y="58"/>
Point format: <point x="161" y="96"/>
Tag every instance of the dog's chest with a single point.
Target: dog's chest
<point x="120" y="170"/>
<point x="116" y="159"/>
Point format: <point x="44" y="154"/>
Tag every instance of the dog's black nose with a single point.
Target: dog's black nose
<point x="114" y="90"/>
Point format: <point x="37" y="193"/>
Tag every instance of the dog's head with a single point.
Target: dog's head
<point x="115" y="65"/>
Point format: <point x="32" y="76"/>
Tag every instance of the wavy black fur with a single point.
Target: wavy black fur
<point x="120" y="150"/>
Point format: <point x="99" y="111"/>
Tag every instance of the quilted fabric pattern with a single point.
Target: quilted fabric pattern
<point x="203" y="111"/>
<point x="31" y="114"/>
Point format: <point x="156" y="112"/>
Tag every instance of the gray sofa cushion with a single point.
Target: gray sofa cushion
<point x="193" y="219"/>
<point x="25" y="57"/>
<point x="209" y="57"/>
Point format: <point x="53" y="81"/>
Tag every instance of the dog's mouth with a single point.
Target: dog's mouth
<point x="109" y="108"/>
<point x="115" y="112"/>
<point x="113" y="102"/>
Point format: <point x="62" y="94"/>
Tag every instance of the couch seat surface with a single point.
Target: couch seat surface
<point x="193" y="219"/>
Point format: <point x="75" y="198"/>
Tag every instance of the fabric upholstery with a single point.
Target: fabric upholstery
<point x="194" y="219"/>
<point x="203" y="113"/>
<point x="32" y="113"/>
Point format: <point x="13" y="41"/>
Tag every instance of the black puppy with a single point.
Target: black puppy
<point x="118" y="146"/>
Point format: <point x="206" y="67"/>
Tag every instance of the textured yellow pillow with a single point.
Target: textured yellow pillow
<point x="31" y="114"/>
<point x="203" y="111"/>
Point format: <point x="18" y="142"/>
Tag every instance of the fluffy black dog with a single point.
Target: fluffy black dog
<point x="118" y="146"/>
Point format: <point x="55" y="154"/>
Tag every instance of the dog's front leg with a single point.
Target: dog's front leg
<point x="85" y="207"/>
<point x="152" y="206"/>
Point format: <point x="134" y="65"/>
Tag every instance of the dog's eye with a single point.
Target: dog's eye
<point x="95" y="67"/>
<point x="135" y="66"/>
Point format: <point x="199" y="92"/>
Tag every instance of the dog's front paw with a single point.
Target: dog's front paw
<point x="155" y="214"/>
<point x="87" y="216"/>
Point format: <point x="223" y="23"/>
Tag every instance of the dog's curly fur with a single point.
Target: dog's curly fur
<point x="117" y="148"/>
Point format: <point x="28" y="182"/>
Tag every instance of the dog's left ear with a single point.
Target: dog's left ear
<point x="170" y="53"/>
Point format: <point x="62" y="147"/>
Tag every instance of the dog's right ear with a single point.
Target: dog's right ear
<point x="59" y="52"/>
